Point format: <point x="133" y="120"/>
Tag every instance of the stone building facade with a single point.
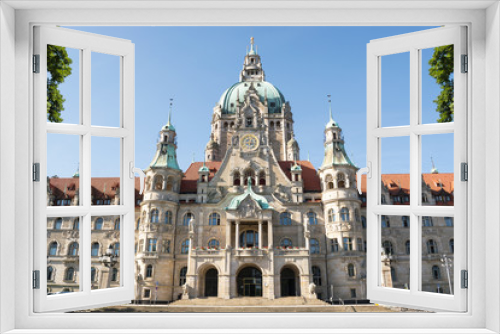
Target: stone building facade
<point x="253" y="219"/>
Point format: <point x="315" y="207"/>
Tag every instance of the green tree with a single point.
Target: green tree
<point x="442" y="69"/>
<point x="58" y="68"/>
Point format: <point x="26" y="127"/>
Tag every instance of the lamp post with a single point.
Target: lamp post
<point x="109" y="260"/>
<point x="447" y="264"/>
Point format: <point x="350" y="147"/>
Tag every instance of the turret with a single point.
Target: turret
<point x="297" y="183"/>
<point x="202" y="188"/>
<point x="293" y="150"/>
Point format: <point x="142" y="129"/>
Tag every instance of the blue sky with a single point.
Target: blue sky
<point x="195" y="65"/>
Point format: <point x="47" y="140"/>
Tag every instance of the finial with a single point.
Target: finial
<point x="330" y="106"/>
<point x="252" y="51"/>
<point x="170" y="111"/>
<point x="251" y="40"/>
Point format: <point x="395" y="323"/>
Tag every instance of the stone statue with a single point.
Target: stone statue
<point x="185" y="291"/>
<point x="312" y="289"/>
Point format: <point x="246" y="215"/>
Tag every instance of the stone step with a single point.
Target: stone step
<point x="249" y="301"/>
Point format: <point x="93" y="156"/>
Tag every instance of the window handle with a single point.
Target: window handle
<point x="365" y="170"/>
<point x="139" y="171"/>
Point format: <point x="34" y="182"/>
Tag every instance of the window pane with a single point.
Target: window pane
<point x="105" y="90"/>
<point x="437" y="84"/>
<point x="63" y="85"/>
<point x="437" y="169"/>
<point x="395" y="167"/>
<point x="63" y="160"/>
<point x="395" y="258"/>
<point x="106" y="171"/>
<point x="105" y="251"/>
<point x="63" y="255"/>
<point x="437" y="254"/>
<point x="395" y="92"/>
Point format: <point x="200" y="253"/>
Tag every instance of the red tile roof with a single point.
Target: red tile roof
<point x="189" y="181"/>
<point x="394" y="182"/>
<point x="309" y="175"/>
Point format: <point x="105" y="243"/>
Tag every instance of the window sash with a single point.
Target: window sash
<point x="412" y="43"/>
<point x="86" y="43"/>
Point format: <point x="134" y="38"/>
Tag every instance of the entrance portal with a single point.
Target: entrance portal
<point x="249" y="282"/>
<point x="211" y="283"/>
<point x="288" y="283"/>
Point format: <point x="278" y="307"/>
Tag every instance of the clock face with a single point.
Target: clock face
<point x="249" y="142"/>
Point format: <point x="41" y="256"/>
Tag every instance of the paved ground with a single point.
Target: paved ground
<point x="250" y="305"/>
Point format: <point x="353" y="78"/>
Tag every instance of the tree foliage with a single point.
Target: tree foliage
<point x="441" y="69"/>
<point x="58" y="68"/>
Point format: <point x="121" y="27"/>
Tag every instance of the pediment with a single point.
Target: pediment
<point x="248" y="208"/>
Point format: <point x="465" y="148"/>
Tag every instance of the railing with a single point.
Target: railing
<point x="148" y="255"/>
<point x="249" y="252"/>
<point x="206" y="252"/>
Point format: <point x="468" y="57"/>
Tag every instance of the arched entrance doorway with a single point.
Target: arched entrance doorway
<point x="249" y="282"/>
<point x="288" y="282"/>
<point x="211" y="282"/>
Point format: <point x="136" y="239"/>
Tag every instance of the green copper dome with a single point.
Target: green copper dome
<point x="275" y="99"/>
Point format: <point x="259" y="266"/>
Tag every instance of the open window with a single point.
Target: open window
<point x="90" y="136"/>
<point x="405" y="130"/>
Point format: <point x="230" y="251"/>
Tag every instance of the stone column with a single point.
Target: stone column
<point x="260" y="234"/>
<point x="269" y="234"/>
<point x="228" y="233"/>
<point x="236" y="235"/>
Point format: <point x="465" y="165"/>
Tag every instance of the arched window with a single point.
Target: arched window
<point x="406" y="221"/>
<point x="117" y="224"/>
<point x="114" y="275"/>
<point x="329" y="182"/>
<point x="407" y="247"/>
<point x="311" y="217"/>
<point x="93" y="274"/>
<point x="95" y="249"/>
<point x="152" y="244"/>
<point x="154" y="216"/>
<point x="58" y="224"/>
<point x="285" y="218"/>
<point x="168" y="217"/>
<point x="98" y="224"/>
<point x="387" y="246"/>
<point x="73" y="249"/>
<point x="271" y="125"/>
<point x="249" y="239"/>
<point x="340" y="180"/>
<point x="314" y="246"/>
<point x="50" y="272"/>
<point x="249" y="173"/>
<point x="188" y="217"/>
<point x="236" y="179"/>
<point x="262" y="179"/>
<point x="316" y="275"/>
<point x="335" y="245"/>
<point x="214" y="219"/>
<point x="76" y="224"/>
<point x="427" y="221"/>
<point x="138" y="224"/>
<point x="158" y="182"/>
<point x="170" y="183"/>
<point x="116" y="249"/>
<point x="363" y="221"/>
<point x="185" y="247"/>
<point x="278" y="125"/>
<point x="286" y="242"/>
<point x="350" y="270"/>
<point x="452" y="246"/>
<point x="70" y="274"/>
<point x="213" y="244"/>
<point x="53" y="248"/>
<point x="385" y="221"/>
<point x="182" y="276"/>
<point x="436" y="273"/>
<point x="149" y="270"/>
<point x="431" y="247"/>
<point x="393" y="274"/>
<point x="344" y="214"/>
<point x="332" y="217"/>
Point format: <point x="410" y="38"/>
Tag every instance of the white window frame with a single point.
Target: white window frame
<point x="15" y="43"/>
<point x="413" y="43"/>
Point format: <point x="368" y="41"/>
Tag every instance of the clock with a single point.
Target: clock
<point x="249" y="142"/>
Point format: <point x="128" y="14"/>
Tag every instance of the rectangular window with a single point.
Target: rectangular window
<point x="94" y="147"/>
<point x="347" y="244"/>
<point x="406" y="131"/>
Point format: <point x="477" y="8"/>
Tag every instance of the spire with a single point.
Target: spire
<point x="77" y="173"/>
<point x="169" y="126"/>
<point x="203" y="168"/>
<point x="331" y="123"/>
<point x="434" y="169"/>
<point x="252" y="51"/>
